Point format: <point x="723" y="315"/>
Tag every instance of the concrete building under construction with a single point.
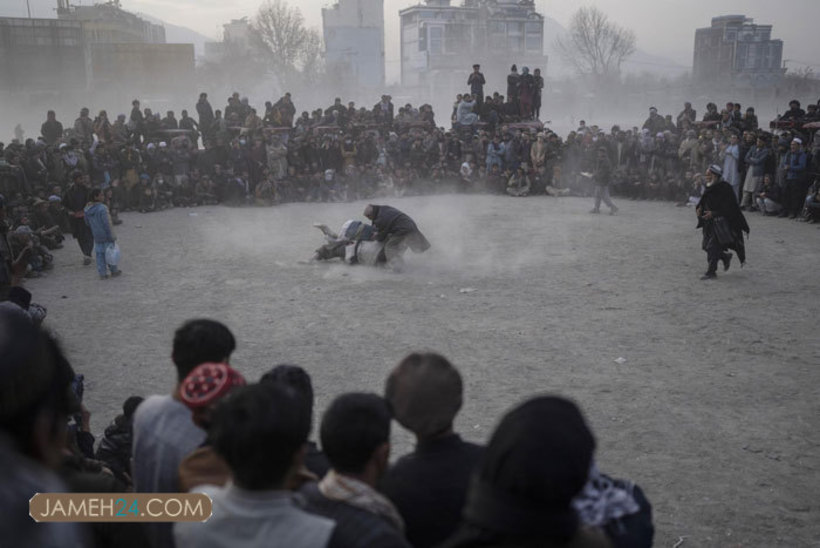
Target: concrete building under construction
<point x="41" y="56"/>
<point x="98" y="48"/>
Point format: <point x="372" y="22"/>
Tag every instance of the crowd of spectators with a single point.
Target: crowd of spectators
<point x="145" y="162"/>
<point x="246" y="445"/>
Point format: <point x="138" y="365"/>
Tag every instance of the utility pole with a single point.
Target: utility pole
<point x="28" y="7"/>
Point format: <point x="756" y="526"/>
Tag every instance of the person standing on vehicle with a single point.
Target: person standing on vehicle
<point x="476" y="82"/>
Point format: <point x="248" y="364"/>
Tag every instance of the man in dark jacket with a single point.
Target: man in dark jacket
<point x="115" y="446"/>
<point x="205" y="114"/>
<point x="429" y="486"/>
<point x="722" y="222"/>
<point x="476" y="82"/>
<point x="355" y="435"/>
<point x="513" y="82"/>
<point x="398" y="232"/>
<point x="51" y="130"/>
<point x="75" y="199"/>
<point x="136" y="121"/>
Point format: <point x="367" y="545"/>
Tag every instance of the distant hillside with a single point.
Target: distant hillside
<point x="640" y="61"/>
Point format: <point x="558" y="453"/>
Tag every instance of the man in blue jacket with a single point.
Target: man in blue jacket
<point x="794" y="163"/>
<point x="98" y="219"/>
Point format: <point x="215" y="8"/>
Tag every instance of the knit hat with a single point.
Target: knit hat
<point x="207" y="383"/>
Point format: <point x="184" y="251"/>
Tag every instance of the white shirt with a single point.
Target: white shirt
<point x="253" y="519"/>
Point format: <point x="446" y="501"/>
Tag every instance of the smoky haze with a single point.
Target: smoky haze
<point x="664" y="29"/>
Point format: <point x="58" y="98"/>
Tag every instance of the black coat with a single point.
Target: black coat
<point x="389" y="221"/>
<point x="115" y="447"/>
<point x="429" y="487"/>
<point x="721" y="200"/>
<point x="355" y="527"/>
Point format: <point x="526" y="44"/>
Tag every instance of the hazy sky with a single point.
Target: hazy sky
<point x="663" y="27"/>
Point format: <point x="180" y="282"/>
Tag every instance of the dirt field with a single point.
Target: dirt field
<point x="713" y="411"/>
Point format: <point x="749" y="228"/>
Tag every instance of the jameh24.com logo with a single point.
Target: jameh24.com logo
<point x="123" y="507"/>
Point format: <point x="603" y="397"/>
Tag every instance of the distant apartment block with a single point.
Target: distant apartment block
<point x="735" y="49"/>
<point x="236" y="40"/>
<point x="440" y="42"/>
<point x="354" y="41"/>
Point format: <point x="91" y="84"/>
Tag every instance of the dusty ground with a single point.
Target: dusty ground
<point x="714" y="410"/>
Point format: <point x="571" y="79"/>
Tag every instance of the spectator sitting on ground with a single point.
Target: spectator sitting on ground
<point x="163" y="430"/>
<point x="261" y="432"/>
<point x="537" y="461"/>
<point x="201" y="392"/>
<point x="35" y="403"/>
<point x="115" y="446"/>
<point x="355" y="435"/>
<point x="298" y="380"/>
<point x="429" y="485"/>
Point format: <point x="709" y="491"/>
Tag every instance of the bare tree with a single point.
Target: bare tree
<point x="594" y="45"/>
<point x="290" y="47"/>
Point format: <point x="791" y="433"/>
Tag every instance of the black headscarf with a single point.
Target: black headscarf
<point x="538" y="459"/>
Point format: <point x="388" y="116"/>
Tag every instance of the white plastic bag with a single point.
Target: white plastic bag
<point x="112" y="254"/>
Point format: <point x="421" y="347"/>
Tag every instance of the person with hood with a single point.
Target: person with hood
<point x="398" y="232"/>
<point x="538" y="460"/>
<point x="722" y="221"/>
<point x="99" y="221"/>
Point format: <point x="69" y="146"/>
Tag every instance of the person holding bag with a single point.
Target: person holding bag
<point x="722" y="221"/>
<point x="105" y="243"/>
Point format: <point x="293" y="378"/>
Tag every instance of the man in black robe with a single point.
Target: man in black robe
<point x="722" y="222"/>
<point x="398" y="232"/>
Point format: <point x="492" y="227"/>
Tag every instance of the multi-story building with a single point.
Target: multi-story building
<point x="99" y="48"/>
<point x="127" y="54"/>
<point x="108" y="23"/>
<point x="354" y="41"/>
<point x="440" y="42"/>
<point x="236" y="39"/>
<point x="735" y="49"/>
<point x="41" y="55"/>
